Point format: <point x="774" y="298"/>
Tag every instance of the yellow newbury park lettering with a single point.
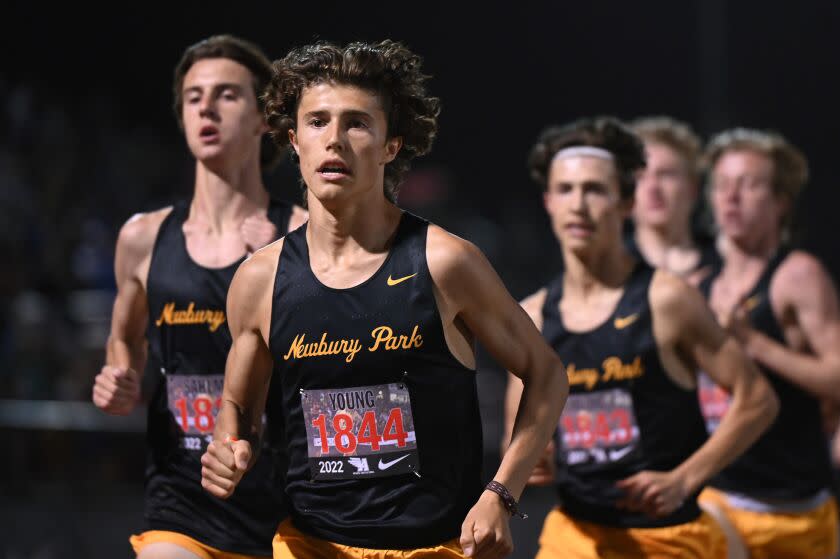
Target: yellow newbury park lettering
<point x="614" y="369"/>
<point x="588" y="377"/>
<point x="384" y="336"/>
<point x="299" y="349"/>
<point x="171" y="316"/>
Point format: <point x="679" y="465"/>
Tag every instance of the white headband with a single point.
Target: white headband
<point x="583" y="151"/>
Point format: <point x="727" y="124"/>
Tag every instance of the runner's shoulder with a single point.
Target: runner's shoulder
<point x="449" y="256"/>
<point x="256" y="274"/>
<point x="137" y="235"/>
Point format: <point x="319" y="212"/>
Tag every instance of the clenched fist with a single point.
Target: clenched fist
<point x="223" y="466"/>
<point x="116" y="390"/>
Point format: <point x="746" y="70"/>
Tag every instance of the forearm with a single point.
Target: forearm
<point x="235" y="421"/>
<point x="542" y="401"/>
<point x="818" y="376"/>
<point x="752" y="410"/>
<point x="513" y="395"/>
<point x="125" y="354"/>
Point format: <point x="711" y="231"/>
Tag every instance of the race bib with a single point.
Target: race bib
<point x="714" y="401"/>
<point x="194" y="401"/>
<point x="367" y="431"/>
<point x="598" y="427"/>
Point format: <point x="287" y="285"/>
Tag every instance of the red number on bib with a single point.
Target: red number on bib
<point x="587" y="435"/>
<point x="203" y="407"/>
<point x="181" y="404"/>
<point x="570" y="437"/>
<point x="624" y="431"/>
<point x="343" y="425"/>
<point x="321" y="423"/>
<point x="602" y="427"/>
<point x="395" y="424"/>
<point x="367" y="431"/>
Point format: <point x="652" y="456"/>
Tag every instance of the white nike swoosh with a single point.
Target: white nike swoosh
<point x="616" y="455"/>
<point x="386" y="465"/>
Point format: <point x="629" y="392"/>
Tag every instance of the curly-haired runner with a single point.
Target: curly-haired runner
<point x="367" y="316"/>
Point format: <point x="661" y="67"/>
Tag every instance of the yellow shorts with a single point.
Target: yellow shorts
<point x="807" y="535"/>
<point x="290" y="543"/>
<point x="564" y="537"/>
<point x="140" y="541"/>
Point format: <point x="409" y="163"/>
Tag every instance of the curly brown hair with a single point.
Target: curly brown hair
<point x="387" y="69"/>
<point x="241" y="51"/>
<point x="604" y="132"/>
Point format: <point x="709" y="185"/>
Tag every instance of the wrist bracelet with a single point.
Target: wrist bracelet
<point x="507" y="499"/>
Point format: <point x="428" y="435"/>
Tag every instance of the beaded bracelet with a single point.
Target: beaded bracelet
<point x="507" y="499"/>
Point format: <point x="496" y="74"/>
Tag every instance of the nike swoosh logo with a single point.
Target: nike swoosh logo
<point x="623" y="322"/>
<point x="751" y="303"/>
<point x="392" y="282"/>
<point x="616" y="455"/>
<point x="386" y="465"/>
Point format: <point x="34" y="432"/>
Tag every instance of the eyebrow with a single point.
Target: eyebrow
<point x="350" y="113"/>
<point x="215" y="87"/>
<point x="588" y="182"/>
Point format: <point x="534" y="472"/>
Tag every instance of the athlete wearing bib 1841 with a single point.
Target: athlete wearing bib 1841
<point x="367" y="318"/>
<point x="631" y="452"/>
<point x="174" y="267"/>
<point x="782" y="306"/>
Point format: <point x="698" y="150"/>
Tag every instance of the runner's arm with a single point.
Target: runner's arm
<point x="116" y="388"/>
<point x="238" y="432"/>
<point x="543" y="473"/>
<point x="475" y="296"/>
<point x="249" y="363"/>
<point x="470" y="285"/>
<point x="681" y="311"/>
<point x="804" y="286"/>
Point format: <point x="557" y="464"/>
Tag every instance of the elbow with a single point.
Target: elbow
<point x="549" y="384"/>
<point x="555" y="380"/>
<point x="559" y="384"/>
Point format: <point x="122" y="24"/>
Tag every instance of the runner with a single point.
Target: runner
<point x="173" y="270"/>
<point x="632" y="452"/>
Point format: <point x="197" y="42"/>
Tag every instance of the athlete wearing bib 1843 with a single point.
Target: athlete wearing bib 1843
<point x="174" y="267"/>
<point x="367" y="318"/>
<point x="782" y="306"/>
<point x="631" y="452"/>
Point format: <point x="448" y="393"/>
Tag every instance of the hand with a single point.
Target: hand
<point x="738" y="324"/>
<point x="543" y="473"/>
<point x="656" y="494"/>
<point x="223" y="466"/>
<point x="485" y="533"/>
<point x="116" y="390"/>
<point x="257" y="231"/>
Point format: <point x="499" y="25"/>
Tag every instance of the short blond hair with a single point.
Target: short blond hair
<point x="674" y="134"/>
<point x="790" y="167"/>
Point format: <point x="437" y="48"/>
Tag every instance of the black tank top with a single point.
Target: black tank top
<point x="189" y="341"/>
<point x="383" y="428"/>
<point x="790" y="461"/>
<point x="624" y="414"/>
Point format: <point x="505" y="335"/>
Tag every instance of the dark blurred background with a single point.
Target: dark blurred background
<point x="87" y="138"/>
